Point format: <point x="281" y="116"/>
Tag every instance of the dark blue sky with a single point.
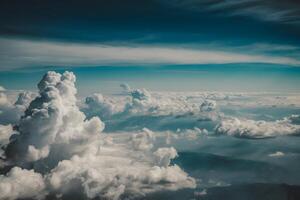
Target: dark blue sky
<point x="153" y="21"/>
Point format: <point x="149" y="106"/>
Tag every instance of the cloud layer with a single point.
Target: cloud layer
<point x="63" y="148"/>
<point x="55" y="151"/>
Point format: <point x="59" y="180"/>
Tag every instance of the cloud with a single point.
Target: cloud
<point x="158" y="110"/>
<point x="164" y="155"/>
<point x="264" y="10"/>
<point x="208" y="105"/>
<point x="117" y="172"/>
<point x="65" y="152"/>
<point x="21" y="184"/>
<point x="99" y="105"/>
<point x="295" y="119"/>
<point x="277" y="154"/>
<point x="246" y="128"/>
<point x="163" y="111"/>
<point x="54" y="117"/>
<point x="191" y="134"/>
<point x="3" y="99"/>
<point x="24" y="98"/>
<point x="142" y="101"/>
<point x="143" y="140"/>
<point x="24" y="53"/>
<point x="125" y="87"/>
<point x="5" y="132"/>
<point x="10" y="111"/>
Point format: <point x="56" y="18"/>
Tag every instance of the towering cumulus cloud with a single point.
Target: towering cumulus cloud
<point x="56" y="151"/>
<point x="53" y="118"/>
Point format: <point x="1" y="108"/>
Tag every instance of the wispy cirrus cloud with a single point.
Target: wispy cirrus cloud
<point x="265" y="10"/>
<point x="25" y="53"/>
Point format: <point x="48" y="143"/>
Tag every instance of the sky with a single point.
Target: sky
<point x="149" y="99"/>
<point x="224" y="38"/>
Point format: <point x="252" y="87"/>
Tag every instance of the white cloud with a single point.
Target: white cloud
<point x="117" y="169"/>
<point x="34" y="154"/>
<point x="73" y="154"/>
<point x="99" y="105"/>
<point x="5" y="132"/>
<point x="277" y="154"/>
<point x="24" y="98"/>
<point x="54" y="117"/>
<point x="10" y="111"/>
<point x="256" y="129"/>
<point x="76" y="156"/>
<point x="2" y="89"/>
<point x="163" y="156"/>
<point x="3" y="99"/>
<point x="208" y="105"/>
<point x="21" y="184"/>
<point x="23" y="53"/>
<point x="142" y="141"/>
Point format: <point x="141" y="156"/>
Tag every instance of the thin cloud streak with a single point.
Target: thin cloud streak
<point x="265" y="10"/>
<point x="25" y="53"/>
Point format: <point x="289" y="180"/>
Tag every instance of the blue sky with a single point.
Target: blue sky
<point x="224" y="38"/>
<point x="225" y="77"/>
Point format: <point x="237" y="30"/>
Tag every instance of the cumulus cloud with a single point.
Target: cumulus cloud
<point x="5" y="132"/>
<point x="208" y="105"/>
<point x="116" y="170"/>
<point x="53" y="118"/>
<point x="185" y="110"/>
<point x="68" y="153"/>
<point x="146" y="102"/>
<point x="24" y="98"/>
<point x="192" y="134"/>
<point x="141" y="108"/>
<point x="256" y="129"/>
<point x="163" y="156"/>
<point x="143" y="140"/>
<point x="63" y="148"/>
<point x="142" y="102"/>
<point x="21" y="184"/>
<point x="99" y="105"/>
<point x="10" y="111"/>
